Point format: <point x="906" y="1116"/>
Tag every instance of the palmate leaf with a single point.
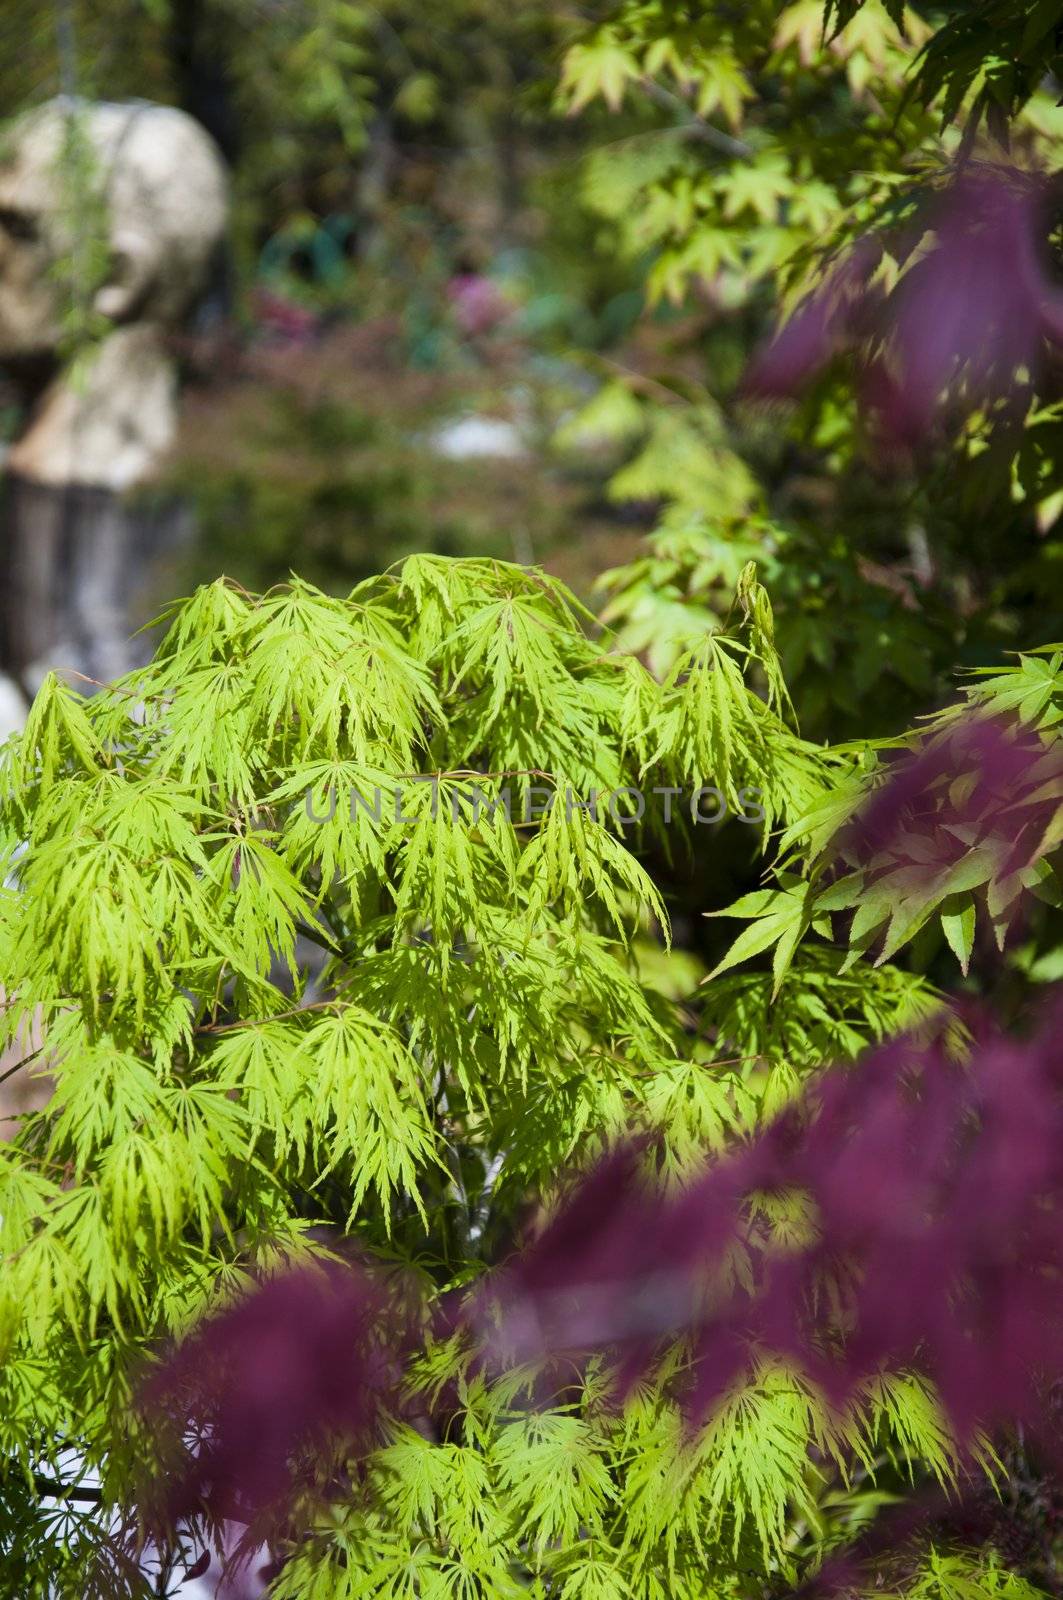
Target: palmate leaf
<point x="551" y="1470"/>
<point x="457" y="858"/>
<point x="328" y="682"/>
<point x="696" y="1109"/>
<point x="374" y="1092"/>
<point x="722" y="85"/>
<point x="820" y="1012"/>
<point x="574" y="856"/>
<point x="709" y="722"/>
<point x="745" y="1471"/>
<point x="256" y="898"/>
<point x="203" y="627"/>
<point x="841" y="12"/>
<point x="753" y="1460"/>
<point x="268" y="1066"/>
<point x="905" y="1411"/>
<point x="57" y="734"/>
<point x="476" y="1022"/>
<point x="604" y="67"/>
<point x="415" y="1476"/>
<point x="689" y="447"/>
<point x="782" y="918"/>
<point x="975" y="1575"/>
<point x="595" y="1578"/>
<point x="98" y="936"/>
<point x="507" y="645"/>
<point x="102" y="1093"/>
<point x="1032" y="689"/>
<point x="209" y="747"/>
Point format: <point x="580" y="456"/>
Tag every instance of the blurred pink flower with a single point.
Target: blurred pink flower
<point x="283" y="319"/>
<point x="478" y="303"/>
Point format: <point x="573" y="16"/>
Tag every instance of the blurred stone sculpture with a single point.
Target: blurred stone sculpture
<point x="95" y="429"/>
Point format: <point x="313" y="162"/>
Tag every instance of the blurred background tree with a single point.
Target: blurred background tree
<point x="581" y="226"/>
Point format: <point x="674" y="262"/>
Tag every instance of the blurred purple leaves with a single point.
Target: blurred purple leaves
<point x="934" y="1187"/>
<point x="292" y="1375"/>
<point x="825" y="323"/>
<point x="969" y="316"/>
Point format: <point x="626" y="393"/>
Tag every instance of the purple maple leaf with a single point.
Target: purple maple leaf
<point x="972" y="312"/>
<point x="299" y="1368"/>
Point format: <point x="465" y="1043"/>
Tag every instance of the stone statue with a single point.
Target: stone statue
<point x="98" y="429"/>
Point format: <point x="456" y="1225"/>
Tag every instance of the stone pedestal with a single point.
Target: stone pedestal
<point x="74" y="564"/>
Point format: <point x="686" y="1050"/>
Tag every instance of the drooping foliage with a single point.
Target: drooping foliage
<point x="398" y="1016"/>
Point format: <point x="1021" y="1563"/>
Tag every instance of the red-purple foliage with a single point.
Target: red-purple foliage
<point x="935" y="1187"/>
<point x="293" y="1370"/>
<point x="976" y="307"/>
<point x="936" y="1190"/>
<point x="973" y="811"/>
<point x="824" y="324"/>
<point x="962" y="783"/>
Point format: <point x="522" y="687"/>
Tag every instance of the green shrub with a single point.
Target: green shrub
<point x="266" y="1029"/>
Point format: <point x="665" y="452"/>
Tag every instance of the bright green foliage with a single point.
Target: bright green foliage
<point x="887" y="902"/>
<point x="823" y="115"/>
<point x="751" y="202"/>
<point x="265" y="1017"/>
<point x="997" y="52"/>
<point x="262" y="1016"/>
<point x="739" y="153"/>
<point x="948" y="1577"/>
